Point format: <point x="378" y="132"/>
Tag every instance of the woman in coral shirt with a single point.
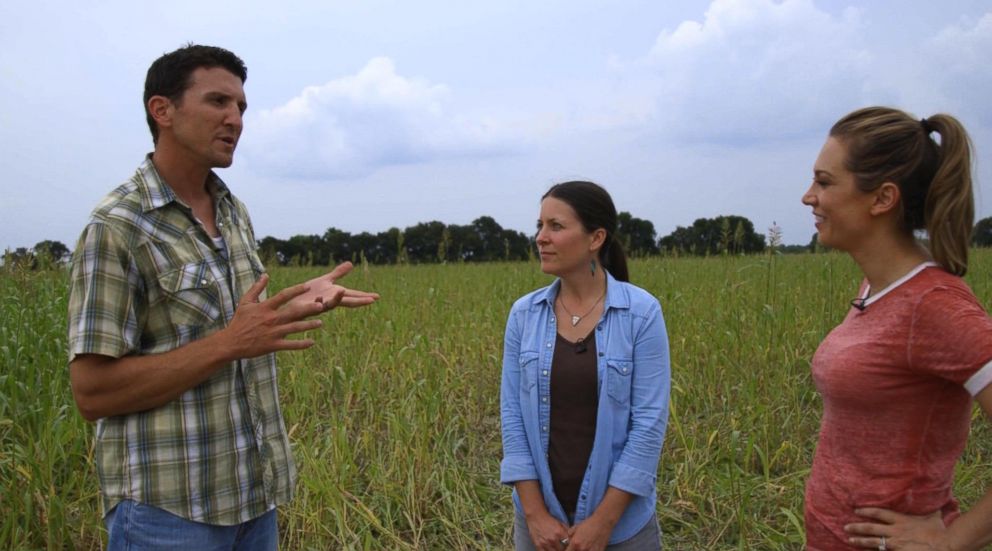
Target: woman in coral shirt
<point x="898" y="375"/>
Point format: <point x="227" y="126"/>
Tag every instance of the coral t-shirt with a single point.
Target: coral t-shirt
<point x="896" y="378"/>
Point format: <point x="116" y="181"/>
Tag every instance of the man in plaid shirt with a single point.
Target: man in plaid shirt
<point x="172" y="338"/>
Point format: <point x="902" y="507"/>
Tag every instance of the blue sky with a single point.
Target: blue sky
<point x="367" y="115"/>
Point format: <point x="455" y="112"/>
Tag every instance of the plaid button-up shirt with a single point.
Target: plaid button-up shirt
<point x="146" y="279"/>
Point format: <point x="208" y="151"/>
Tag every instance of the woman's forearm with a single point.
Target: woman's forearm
<point x="529" y="492"/>
<point x="972" y="530"/>
<point x="614" y="503"/>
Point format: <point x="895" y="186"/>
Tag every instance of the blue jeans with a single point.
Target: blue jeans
<point x="134" y="526"/>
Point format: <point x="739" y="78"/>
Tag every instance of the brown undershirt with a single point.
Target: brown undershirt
<point x="574" y="400"/>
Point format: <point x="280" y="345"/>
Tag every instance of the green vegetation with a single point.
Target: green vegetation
<point x="982" y="234"/>
<point x="394" y="414"/>
<point x="723" y="234"/>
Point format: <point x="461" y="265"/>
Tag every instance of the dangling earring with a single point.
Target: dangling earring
<point x="592" y="267"/>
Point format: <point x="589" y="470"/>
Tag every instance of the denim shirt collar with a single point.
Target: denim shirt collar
<point x="616" y="296"/>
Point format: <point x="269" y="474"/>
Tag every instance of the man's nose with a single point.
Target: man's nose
<point x="234" y="117"/>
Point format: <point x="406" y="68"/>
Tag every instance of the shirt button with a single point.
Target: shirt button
<point x="599" y="328"/>
<point x="220" y="224"/>
<point x="544" y="428"/>
<point x="552" y="320"/>
<point x="601" y="354"/>
<point x="582" y="496"/>
<point x="545" y="372"/>
<point x="549" y="345"/>
<point x="544" y="399"/>
<point x="625" y="370"/>
<point x="203" y="282"/>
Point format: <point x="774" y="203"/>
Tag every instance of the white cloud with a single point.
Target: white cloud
<point x="356" y="124"/>
<point x="748" y="72"/>
<point x="957" y="64"/>
<point x="754" y="71"/>
<point x="757" y="69"/>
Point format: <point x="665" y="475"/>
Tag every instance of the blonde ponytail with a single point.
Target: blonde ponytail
<point x="950" y="206"/>
<point x="888" y="145"/>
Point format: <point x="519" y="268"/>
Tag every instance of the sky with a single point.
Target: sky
<point x="368" y="115"/>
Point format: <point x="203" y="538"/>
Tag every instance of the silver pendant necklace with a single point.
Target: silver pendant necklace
<point x="576" y="319"/>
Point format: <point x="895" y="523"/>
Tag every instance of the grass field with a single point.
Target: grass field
<point x="394" y="414"/>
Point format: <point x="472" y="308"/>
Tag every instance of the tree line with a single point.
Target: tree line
<point x="484" y="240"/>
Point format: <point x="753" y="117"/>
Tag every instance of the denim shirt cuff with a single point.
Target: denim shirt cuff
<point x="515" y="468"/>
<point x="631" y="480"/>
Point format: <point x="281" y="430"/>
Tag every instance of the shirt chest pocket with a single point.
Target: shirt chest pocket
<point x="528" y="371"/>
<point x="191" y="294"/>
<point x="618" y="374"/>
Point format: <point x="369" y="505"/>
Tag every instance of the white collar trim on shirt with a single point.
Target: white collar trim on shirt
<point x="894" y="284"/>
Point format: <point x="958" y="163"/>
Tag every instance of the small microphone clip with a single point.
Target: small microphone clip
<point x="580" y="346"/>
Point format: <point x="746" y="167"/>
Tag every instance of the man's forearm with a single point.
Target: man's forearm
<point x="104" y="386"/>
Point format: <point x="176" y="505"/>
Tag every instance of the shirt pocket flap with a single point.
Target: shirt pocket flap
<point x="618" y="373"/>
<point x="528" y="369"/>
<point x="192" y="294"/>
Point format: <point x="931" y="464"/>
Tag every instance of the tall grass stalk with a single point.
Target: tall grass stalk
<point x="394" y="413"/>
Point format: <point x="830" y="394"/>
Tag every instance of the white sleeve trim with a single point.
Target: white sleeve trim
<point x="979" y="380"/>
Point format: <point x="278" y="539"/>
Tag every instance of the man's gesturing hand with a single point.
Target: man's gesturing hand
<point x="325" y="290"/>
<point x="260" y="327"/>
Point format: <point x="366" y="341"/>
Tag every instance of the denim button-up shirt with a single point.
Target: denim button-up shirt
<point x="634" y="383"/>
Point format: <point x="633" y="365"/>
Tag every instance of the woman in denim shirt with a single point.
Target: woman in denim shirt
<point x="584" y="397"/>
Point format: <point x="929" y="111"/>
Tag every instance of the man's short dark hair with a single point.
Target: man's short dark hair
<point x="169" y="75"/>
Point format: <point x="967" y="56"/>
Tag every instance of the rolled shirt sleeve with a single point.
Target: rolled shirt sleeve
<point x="636" y="470"/>
<point x="517" y="463"/>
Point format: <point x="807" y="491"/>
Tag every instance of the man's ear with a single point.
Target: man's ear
<point x="887" y="198"/>
<point x="160" y="109"/>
